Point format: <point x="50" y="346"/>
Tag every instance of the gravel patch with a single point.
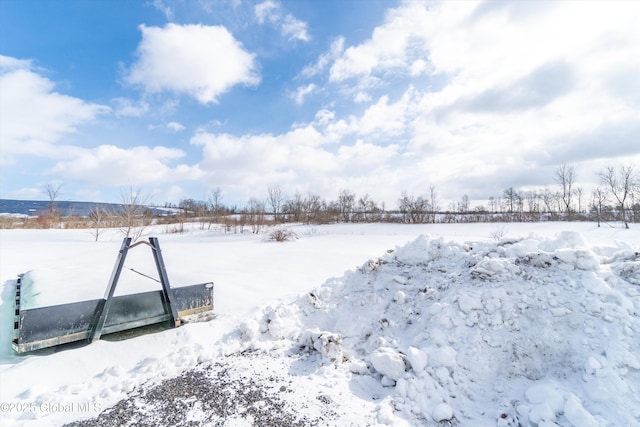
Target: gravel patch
<point x="226" y="393"/>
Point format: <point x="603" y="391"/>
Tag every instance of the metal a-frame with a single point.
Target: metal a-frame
<point x="167" y="292"/>
<point x="50" y="326"/>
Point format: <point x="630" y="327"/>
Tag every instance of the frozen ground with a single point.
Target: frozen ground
<point x="348" y="325"/>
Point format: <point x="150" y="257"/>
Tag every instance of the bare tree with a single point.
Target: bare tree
<point x="52" y="192"/>
<point x="520" y="205"/>
<point x="366" y="207"/>
<point x="216" y="208"/>
<point x="134" y="215"/>
<point x="99" y="216"/>
<point x="547" y="198"/>
<point x="256" y="215"/>
<point x="215" y="199"/>
<point x="346" y="201"/>
<point x="532" y="199"/>
<point x="622" y="183"/>
<point x="51" y="216"/>
<point x="463" y="205"/>
<point x="495" y="204"/>
<point x="433" y="203"/>
<point x="598" y="199"/>
<point x="405" y="205"/>
<point x="413" y="209"/>
<point x="421" y="209"/>
<point x="565" y="178"/>
<point x="333" y="211"/>
<point x="276" y="199"/>
<point x="313" y="206"/>
<point x="578" y="191"/>
<point x="295" y="207"/>
<point x="511" y="197"/>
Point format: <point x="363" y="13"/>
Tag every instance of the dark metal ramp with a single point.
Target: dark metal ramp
<point x="51" y="326"/>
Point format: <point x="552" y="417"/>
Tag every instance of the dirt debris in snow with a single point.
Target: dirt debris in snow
<point x="218" y="394"/>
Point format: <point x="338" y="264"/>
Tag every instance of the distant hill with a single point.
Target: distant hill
<point x="66" y="208"/>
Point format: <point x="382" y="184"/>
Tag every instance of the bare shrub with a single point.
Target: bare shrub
<point x="9" y="221"/>
<point x="281" y="234"/>
<point x="499" y="233"/>
<point x="174" y="229"/>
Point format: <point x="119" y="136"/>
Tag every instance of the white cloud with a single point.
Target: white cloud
<point x="34" y="116"/>
<point x="362" y="97"/>
<point x="336" y="49"/>
<point x="501" y="86"/>
<point x="324" y="117"/>
<point x="381" y="121"/>
<point x="164" y="8"/>
<point x="389" y="46"/>
<point x="320" y="157"/>
<point x="303" y="158"/>
<point x="419" y="66"/>
<point x="27" y="193"/>
<point x="194" y="60"/>
<point x="175" y="126"/>
<point x="267" y="10"/>
<point x="174" y="192"/>
<point x="290" y="26"/>
<point x="129" y="108"/>
<point x="366" y="156"/>
<point x="466" y="96"/>
<point x="8" y="63"/>
<point x="302" y="92"/>
<point x="108" y="165"/>
<point x="170" y="126"/>
<point x="294" y="28"/>
<point x="384" y="117"/>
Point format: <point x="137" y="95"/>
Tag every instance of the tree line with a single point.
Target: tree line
<point x="616" y="198"/>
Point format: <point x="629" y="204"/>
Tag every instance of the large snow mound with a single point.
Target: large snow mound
<point x="530" y="332"/>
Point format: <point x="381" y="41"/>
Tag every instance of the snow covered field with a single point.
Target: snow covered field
<point x="363" y="324"/>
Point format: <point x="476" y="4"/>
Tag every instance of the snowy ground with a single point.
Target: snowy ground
<point x="348" y="325"/>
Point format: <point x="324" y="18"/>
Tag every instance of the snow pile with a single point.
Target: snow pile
<point x="531" y="332"/>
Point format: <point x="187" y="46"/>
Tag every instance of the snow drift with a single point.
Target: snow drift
<point x="531" y="332"/>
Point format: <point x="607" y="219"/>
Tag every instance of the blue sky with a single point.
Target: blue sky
<point x="179" y="98"/>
